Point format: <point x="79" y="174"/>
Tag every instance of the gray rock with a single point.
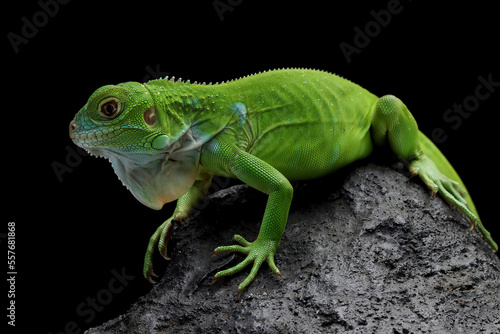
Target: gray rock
<point x="367" y="253"/>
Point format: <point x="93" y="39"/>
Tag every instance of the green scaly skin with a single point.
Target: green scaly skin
<point x="166" y="139"/>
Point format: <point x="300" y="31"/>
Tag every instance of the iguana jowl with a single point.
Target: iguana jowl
<point x="166" y="139"/>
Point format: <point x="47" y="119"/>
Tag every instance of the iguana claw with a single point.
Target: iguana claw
<point x="148" y="277"/>
<point x="160" y="237"/>
<point x="450" y="190"/>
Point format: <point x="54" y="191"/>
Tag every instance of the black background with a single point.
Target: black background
<point x="72" y="233"/>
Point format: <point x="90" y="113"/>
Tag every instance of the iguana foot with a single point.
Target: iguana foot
<point x="257" y="252"/>
<point x="160" y="237"/>
<point x="450" y="190"/>
<point x="439" y="183"/>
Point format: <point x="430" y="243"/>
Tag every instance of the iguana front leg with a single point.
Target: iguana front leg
<point x="160" y="238"/>
<point x="227" y="159"/>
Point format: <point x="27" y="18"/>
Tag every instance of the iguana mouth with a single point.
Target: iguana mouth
<point x="93" y="137"/>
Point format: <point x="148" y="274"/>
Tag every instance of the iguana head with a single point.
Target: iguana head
<point x="120" y="118"/>
<point x="154" y="155"/>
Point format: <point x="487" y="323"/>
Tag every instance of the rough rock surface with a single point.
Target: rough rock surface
<point x="365" y="251"/>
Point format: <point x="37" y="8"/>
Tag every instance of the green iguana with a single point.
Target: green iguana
<point x="166" y="139"/>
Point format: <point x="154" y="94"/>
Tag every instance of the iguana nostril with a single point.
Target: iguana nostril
<point x="72" y="127"/>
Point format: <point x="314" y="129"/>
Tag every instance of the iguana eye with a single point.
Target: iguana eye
<point x="109" y="108"/>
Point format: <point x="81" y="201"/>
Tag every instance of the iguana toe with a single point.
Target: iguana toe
<point x="256" y="252"/>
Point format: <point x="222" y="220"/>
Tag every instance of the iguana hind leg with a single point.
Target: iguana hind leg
<point x="393" y="122"/>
